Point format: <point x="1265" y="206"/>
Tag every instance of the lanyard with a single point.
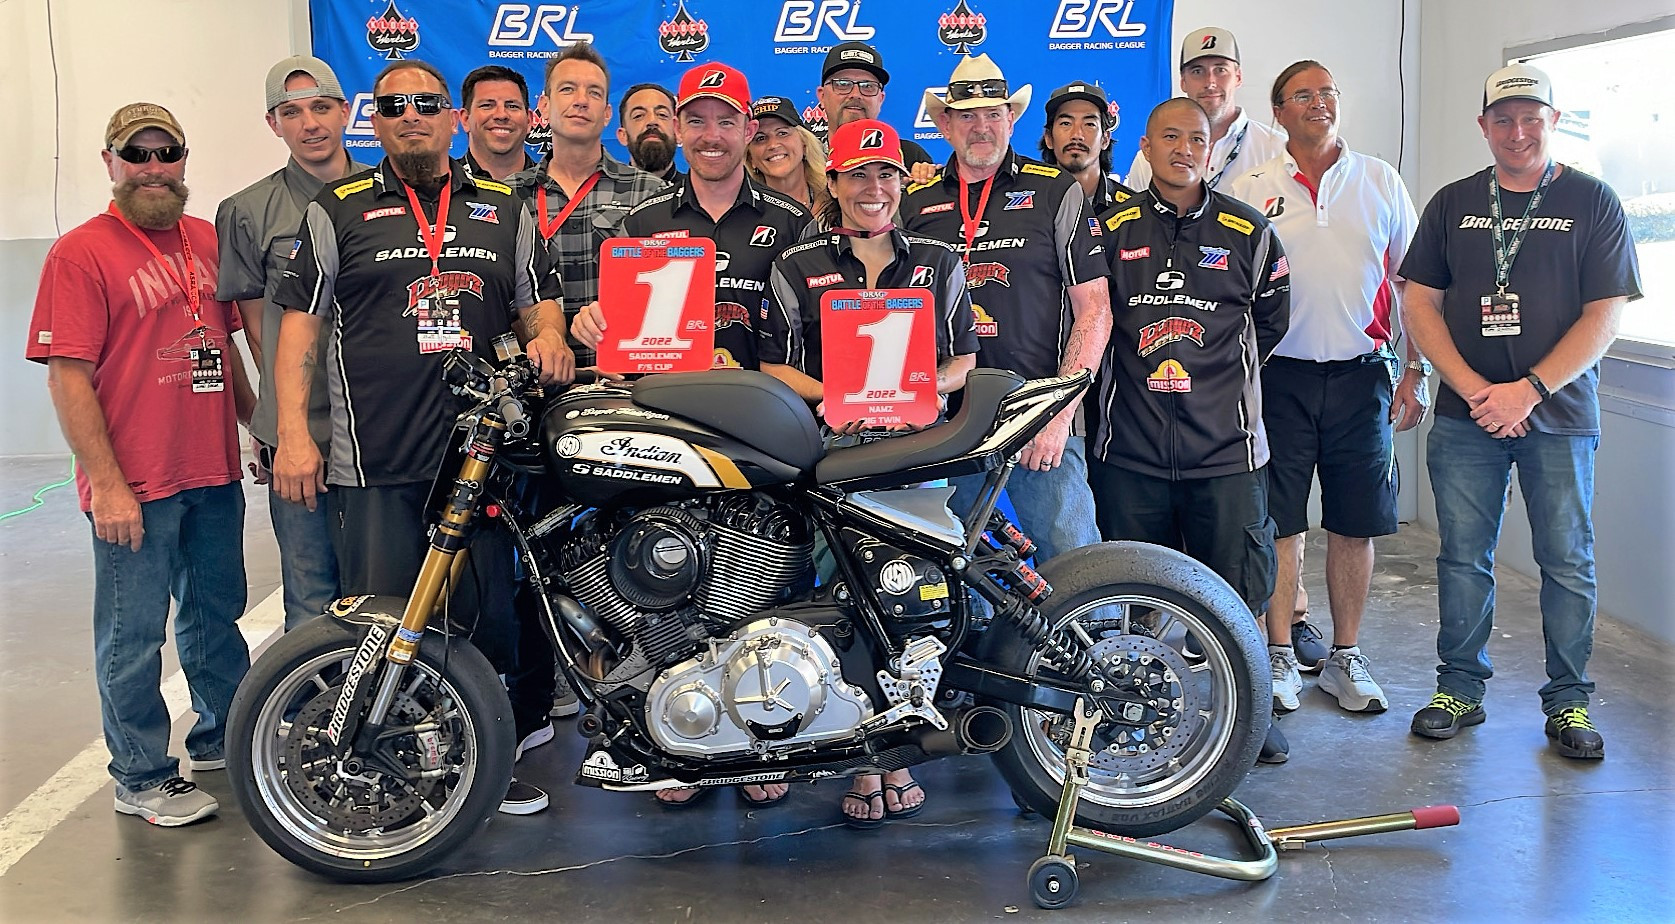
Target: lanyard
<point x="433" y="236"/>
<point x="1505" y="253"/>
<point x="550" y="229"/>
<point x="968" y="221"/>
<point x="1233" y="155"/>
<point x="189" y="285"/>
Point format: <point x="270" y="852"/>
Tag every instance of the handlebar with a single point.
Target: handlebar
<point x="510" y="410"/>
<point x="497" y="389"/>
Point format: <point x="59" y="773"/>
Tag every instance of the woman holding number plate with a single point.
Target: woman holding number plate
<point x="862" y="251"/>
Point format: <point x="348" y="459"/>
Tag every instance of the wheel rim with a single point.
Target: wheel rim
<point x="1178" y="751"/>
<point x="405" y="822"/>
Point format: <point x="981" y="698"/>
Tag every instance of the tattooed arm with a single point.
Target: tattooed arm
<point x="541" y="328"/>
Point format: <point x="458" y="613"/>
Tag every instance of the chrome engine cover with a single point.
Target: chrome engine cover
<point x="774" y="684"/>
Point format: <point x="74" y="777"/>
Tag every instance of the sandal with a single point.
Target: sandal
<point x="699" y="794"/>
<point x="762" y="803"/>
<point x="859" y="823"/>
<point x="901" y="791"/>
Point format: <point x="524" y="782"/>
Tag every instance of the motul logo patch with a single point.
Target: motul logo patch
<point x="830" y="279"/>
<point x="1138" y="253"/>
<point x="672" y="234"/>
<point x="386" y="212"/>
<point x="939" y="207"/>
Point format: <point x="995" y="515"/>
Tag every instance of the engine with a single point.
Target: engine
<point x="671" y="577"/>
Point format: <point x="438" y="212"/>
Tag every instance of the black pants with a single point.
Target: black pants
<point x="1223" y="521"/>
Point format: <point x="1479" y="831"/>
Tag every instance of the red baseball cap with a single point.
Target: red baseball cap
<point x="865" y="141"/>
<point x="718" y="81"/>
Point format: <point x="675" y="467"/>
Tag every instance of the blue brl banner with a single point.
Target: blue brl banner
<point x="1124" y="46"/>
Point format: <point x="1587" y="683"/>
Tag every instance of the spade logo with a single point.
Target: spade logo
<point x="683" y="36"/>
<point x="392" y="33"/>
<point x="960" y="28"/>
<point x="872" y="138"/>
<point x="712" y="79"/>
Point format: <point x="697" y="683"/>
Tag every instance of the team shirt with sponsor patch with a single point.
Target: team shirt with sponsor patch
<point x="758" y="227"/>
<point x="361" y="264"/>
<point x="1033" y="238"/>
<point x="1577" y="250"/>
<point x="791" y="329"/>
<point x="1198" y="302"/>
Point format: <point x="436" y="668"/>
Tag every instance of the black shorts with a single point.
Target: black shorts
<point x="1334" y="416"/>
<point x="1223" y="521"/>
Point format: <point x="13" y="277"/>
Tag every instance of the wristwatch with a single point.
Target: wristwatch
<point x="1540" y="386"/>
<point x="1421" y="366"/>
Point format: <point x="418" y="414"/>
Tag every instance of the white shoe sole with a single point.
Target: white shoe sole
<point x="1350" y="700"/>
<point x="565" y="710"/>
<point x="217" y="764"/>
<point x="1284" y="703"/>
<point x="525" y="808"/>
<point x="168" y="821"/>
<point x="533" y="740"/>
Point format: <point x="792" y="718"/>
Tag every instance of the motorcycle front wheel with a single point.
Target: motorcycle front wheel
<point x="1176" y="633"/>
<point x="433" y="779"/>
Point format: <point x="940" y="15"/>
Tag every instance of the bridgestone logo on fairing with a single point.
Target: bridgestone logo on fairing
<point x="364" y="656"/>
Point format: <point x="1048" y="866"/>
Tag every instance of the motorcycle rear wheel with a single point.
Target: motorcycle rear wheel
<point x="362" y="823"/>
<point x="1141" y="605"/>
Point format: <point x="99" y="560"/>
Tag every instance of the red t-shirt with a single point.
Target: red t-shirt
<point x="105" y="299"/>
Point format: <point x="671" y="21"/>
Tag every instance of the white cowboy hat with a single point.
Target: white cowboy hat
<point x="975" y="83"/>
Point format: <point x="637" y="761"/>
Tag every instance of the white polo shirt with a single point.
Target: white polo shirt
<point x="1344" y="243"/>
<point x="1246" y="146"/>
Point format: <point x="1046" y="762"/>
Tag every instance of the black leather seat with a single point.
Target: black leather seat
<point x="752" y="407"/>
<point x="985" y="389"/>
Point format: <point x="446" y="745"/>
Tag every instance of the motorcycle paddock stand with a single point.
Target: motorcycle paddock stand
<point x="1053" y="880"/>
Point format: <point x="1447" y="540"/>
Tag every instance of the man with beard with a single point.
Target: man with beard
<point x="256" y="226"/>
<point x="1036" y="270"/>
<point x="750" y="224"/>
<point x="149" y="387"/>
<point x="647" y="129"/>
<point x="1210" y="76"/>
<point x="852" y="87"/>
<point x="1077" y="137"/>
<point x="494" y="114"/>
<point x="405" y="263"/>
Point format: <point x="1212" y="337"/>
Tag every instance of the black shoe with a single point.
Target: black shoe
<point x="565" y="703"/>
<point x="1574" y="735"/>
<point x="523" y="799"/>
<point x="1275" y="749"/>
<point x="1445" y="715"/>
<point x="1310" y="646"/>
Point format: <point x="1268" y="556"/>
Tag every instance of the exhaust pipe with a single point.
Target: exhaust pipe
<point x="978" y="730"/>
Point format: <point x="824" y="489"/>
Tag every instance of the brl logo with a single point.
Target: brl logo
<point x="801" y="21"/>
<point x="518" y="25"/>
<point x="1076" y="19"/>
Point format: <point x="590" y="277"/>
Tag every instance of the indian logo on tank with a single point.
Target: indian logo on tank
<point x="392" y="34"/>
<point x="682" y="36"/>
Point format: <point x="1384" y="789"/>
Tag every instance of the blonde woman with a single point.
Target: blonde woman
<point x="784" y="155"/>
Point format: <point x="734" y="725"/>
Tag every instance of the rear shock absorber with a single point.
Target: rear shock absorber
<point x="1058" y="647"/>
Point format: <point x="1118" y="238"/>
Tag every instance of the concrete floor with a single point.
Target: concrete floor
<point x="1543" y="838"/>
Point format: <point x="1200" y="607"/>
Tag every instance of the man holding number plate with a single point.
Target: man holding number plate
<point x="745" y="225"/>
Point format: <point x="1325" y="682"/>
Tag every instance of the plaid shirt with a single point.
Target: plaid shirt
<point x="575" y="246"/>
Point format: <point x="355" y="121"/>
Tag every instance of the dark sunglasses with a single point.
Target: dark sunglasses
<point x="392" y="105"/>
<point x="972" y="89"/>
<point x="168" y="153"/>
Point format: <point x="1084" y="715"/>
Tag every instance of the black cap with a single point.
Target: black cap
<point x="779" y="107"/>
<point x="854" y="54"/>
<point x="1083" y="91"/>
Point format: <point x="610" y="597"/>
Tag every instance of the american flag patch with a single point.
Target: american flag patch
<point x="1281" y="268"/>
<point x="482" y="211"/>
<point x="1093" y="226"/>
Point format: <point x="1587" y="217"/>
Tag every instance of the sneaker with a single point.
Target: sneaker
<point x="1445" y="715"/>
<point x="1287" y="682"/>
<point x="534" y="739"/>
<point x="1309" y="645"/>
<point x="523" y="799"/>
<point x="565" y="703"/>
<point x="217" y="763"/>
<point x="1275" y="749"/>
<point x="1574" y="734"/>
<point x="169" y="804"/>
<point x="1347" y="675"/>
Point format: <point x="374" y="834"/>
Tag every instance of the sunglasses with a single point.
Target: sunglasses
<point x="168" y="153"/>
<point x="392" y="105"/>
<point x="973" y="89"/>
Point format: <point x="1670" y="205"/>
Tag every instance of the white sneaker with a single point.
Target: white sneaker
<point x="1288" y="682"/>
<point x="216" y="763"/>
<point x="534" y="739"/>
<point x="1348" y="676"/>
<point x="169" y="804"/>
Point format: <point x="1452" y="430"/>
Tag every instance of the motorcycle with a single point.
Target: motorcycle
<point x="668" y="549"/>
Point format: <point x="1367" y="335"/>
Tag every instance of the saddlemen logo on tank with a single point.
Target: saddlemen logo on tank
<point x="392" y="33"/>
<point x="682" y="36"/>
<point x="639" y="451"/>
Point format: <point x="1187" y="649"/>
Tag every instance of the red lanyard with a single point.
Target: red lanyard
<point x="548" y="229"/>
<point x="969" y="222"/>
<point x="433" y="236"/>
<point x="189" y="285"/>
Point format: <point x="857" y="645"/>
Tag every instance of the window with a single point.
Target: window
<point x="1618" y="124"/>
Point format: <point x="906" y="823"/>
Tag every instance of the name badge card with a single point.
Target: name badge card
<point x="878" y="356"/>
<point x="658" y="298"/>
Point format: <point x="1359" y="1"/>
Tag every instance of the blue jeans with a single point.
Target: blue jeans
<point x="193" y="550"/>
<point x="307" y="564"/>
<point x="1470" y="473"/>
<point x="1055" y="507"/>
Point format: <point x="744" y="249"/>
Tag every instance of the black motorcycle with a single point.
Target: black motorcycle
<point x="667" y="543"/>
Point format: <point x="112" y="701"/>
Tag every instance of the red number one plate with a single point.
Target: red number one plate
<point x="878" y="356"/>
<point x="658" y="297"/>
